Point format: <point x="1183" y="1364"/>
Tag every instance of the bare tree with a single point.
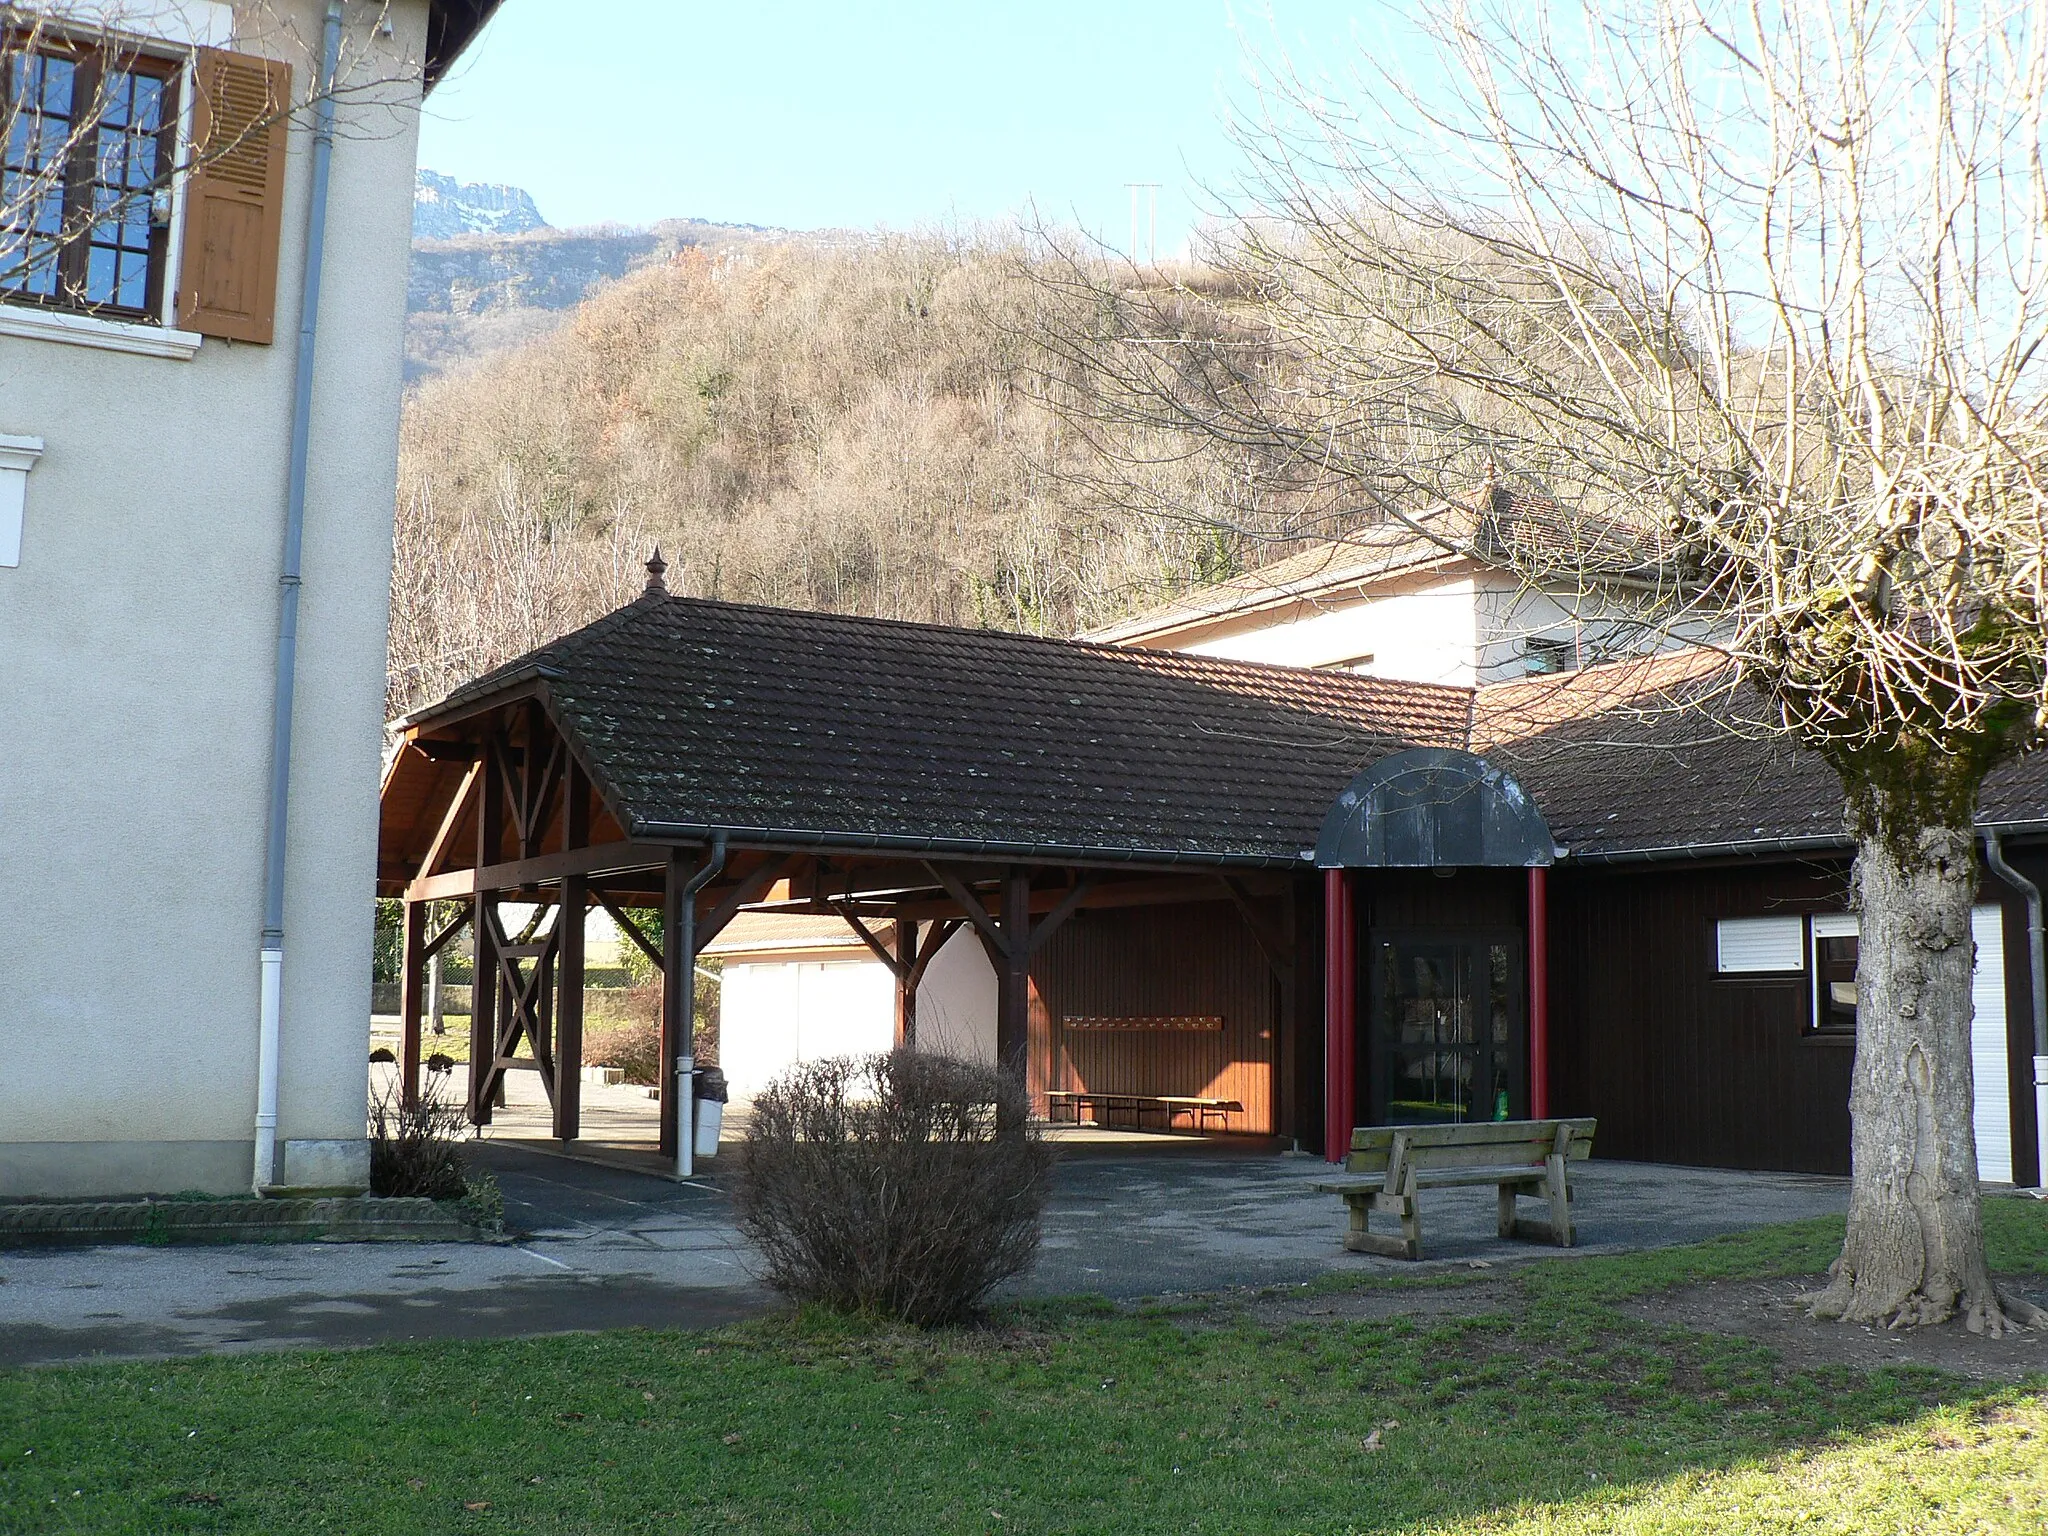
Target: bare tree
<point x="1758" y="292"/>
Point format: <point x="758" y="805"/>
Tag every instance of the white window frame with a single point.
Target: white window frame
<point x="1825" y="925"/>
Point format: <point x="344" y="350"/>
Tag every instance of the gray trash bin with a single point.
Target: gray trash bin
<point x="708" y="1086"/>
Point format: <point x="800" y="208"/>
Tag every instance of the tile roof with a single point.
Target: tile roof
<point x="753" y="933"/>
<point x="1528" y="533"/>
<point x="1669" y="752"/>
<point x="827" y="730"/>
<point x="787" y="724"/>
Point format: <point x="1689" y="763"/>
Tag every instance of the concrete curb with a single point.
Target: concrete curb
<point x="361" y="1219"/>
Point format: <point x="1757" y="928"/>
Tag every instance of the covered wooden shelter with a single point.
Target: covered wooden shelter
<point x="707" y="757"/>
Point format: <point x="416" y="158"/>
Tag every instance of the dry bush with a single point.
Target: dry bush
<point x="631" y="1045"/>
<point x="415" y="1149"/>
<point x="904" y="1185"/>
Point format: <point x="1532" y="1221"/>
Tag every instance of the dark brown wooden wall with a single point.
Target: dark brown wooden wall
<point x="2019" y="1011"/>
<point x="1682" y="1064"/>
<point x="1186" y="959"/>
<point x="1416" y="898"/>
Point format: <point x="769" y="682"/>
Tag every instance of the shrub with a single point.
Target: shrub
<point x="415" y="1149"/>
<point x="906" y="1185"/>
<point x="632" y="1046"/>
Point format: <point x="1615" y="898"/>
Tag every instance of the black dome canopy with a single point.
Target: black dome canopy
<point x="1430" y="808"/>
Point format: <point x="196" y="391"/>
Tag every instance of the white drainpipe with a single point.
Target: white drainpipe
<point x="269" y="1029"/>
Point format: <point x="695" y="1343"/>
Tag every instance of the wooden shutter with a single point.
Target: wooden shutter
<point x="234" y="198"/>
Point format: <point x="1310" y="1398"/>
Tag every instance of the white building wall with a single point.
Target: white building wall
<point x="956" y="1004"/>
<point x="139" y="637"/>
<point x="776" y="1013"/>
<point x="1425" y="633"/>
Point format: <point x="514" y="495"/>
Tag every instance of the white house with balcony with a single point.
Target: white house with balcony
<point x="204" y="240"/>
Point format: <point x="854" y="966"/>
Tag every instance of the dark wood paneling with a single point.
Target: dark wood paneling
<point x="1418" y="898"/>
<point x="1196" y="958"/>
<point x="2019" y="1005"/>
<point x="1680" y="1063"/>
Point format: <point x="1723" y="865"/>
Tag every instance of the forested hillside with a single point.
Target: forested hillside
<point x="846" y="425"/>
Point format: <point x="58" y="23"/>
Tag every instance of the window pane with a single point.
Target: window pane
<point x="1834" y="962"/>
<point x="148" y="115"/>
<point x="134" y="285"/>
<point x="99" y="276"/>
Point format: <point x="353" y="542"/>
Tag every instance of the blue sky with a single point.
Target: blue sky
<point x="903" y="115"/>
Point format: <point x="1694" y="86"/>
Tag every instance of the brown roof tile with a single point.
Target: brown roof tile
<point x="697" y="714"/>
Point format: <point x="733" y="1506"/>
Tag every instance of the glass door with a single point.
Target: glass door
<point x="1446" y="1028"/>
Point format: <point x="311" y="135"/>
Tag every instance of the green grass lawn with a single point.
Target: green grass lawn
<point x="1554" y="1412"/>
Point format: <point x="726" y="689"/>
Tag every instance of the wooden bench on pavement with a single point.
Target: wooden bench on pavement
<point x="1078" y="1102"/>
<point x="1390" y="1165"/>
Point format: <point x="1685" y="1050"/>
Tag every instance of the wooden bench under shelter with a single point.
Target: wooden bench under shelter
<point x="1077" y="1103"/>
<point x="1390" y="1165"/>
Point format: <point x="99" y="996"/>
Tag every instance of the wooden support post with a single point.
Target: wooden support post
<point x="678" y="977"/>
<point x="569" y="951"/>
<point x="483" y="1013"/>
<point x="569" y="1016"/>
<point x="906" y="971"/>
<point x="411" y="996"/>
<point x="1013" y="976"/>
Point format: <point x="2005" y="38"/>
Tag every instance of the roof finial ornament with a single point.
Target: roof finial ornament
<point x="656" y="568"/>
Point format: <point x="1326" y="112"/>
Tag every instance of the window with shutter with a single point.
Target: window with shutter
<point x="85" y="158"/>
<point x="234" y="197"/>
<point x="1752" y="944"/>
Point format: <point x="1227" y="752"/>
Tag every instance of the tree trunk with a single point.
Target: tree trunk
<point x="1915" y="1247"/>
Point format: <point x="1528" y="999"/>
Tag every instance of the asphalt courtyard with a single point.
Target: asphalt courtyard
<point x="603" y="1247"/>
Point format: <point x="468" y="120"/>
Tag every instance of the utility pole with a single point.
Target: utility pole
<point x="1152" y="242"/>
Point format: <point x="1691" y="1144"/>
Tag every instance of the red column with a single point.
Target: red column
<point x="1539" y="993"/>
<point x="1340" y="1014"/>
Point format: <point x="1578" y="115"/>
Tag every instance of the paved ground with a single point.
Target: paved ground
<point x="603" y="1247"/>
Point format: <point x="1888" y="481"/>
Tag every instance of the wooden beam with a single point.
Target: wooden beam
<point x="483" y="1034"/>
<point x="1103" y="895"/>
<point x="1049" y="924"/>
<point x="751" y="888"/>
<point x="629" y="928"/>
<point x="898" y="967"/>
<point x="1013" y="977"/>
<point x="569" y="1015"/>
<point x="970" y="905"/>
<point x="545" y="869"/>
<point x="1276" y="945"/>
<point x="457" y="809"/>
<point x="440" y="940"/>
<point x="411" y="984"/>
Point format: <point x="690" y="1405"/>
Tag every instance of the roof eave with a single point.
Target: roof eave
<point x="451" y="26"/>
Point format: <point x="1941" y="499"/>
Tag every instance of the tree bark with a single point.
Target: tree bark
<point x="1914" y="1252"/>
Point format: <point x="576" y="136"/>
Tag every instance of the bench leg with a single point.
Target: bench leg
<point x="1560" y="1203"/>
<point x="1507" y="1210"/>
<point x="1362" y="1239"/>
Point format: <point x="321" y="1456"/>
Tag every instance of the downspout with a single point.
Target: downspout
<point x="2037" y="978"/>
<point x="1539" y="992"/>
<point x="272" y="998"/>
<point x="684" y="979"/>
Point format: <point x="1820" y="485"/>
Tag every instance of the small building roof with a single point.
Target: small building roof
<point x="775" y="932"/>
<point x="1519" y="532"/>
<point x="821" y="730"/>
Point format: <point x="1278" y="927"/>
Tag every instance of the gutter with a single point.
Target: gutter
<point x="2037" y="966"/>
<point x="964" y="847"/>
<point x="1818" y="843"/>
<point x="270" y="1021"/>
